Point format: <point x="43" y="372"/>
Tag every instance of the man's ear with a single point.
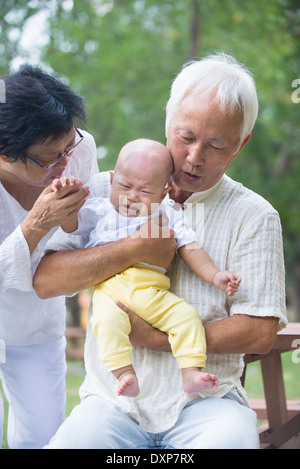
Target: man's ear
<point x="164" y="193"/>
<point x="246" y="140"/>
<point x="111" y="173"/>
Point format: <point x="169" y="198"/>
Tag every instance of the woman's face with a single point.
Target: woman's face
<point x="30" y="173"/>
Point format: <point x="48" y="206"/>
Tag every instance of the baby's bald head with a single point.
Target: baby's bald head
<point x="140" y="179"/>
<point x="152" y="158"/>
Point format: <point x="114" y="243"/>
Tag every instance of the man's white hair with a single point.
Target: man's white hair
<point x="220" y="73"/>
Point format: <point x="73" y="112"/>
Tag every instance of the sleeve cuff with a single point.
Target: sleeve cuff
<point x="15" y="262"/>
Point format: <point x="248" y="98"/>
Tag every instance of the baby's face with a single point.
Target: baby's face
<point x="136" y="194"/>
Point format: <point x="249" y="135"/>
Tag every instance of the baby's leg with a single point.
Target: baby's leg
<point x="194" y="380"/>
<point x="111" y="327"/>
<point x="128" y="383"/>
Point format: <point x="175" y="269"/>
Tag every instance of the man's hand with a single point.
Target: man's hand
<point x="143" y="334"/>
<point x="154" y="244"/>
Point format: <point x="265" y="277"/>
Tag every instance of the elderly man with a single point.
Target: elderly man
<point x="210" y="115"/>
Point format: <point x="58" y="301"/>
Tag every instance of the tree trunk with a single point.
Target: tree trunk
<point x="73" y="311"/>
<point x="293" y="294"/>
<point x="195" y="29"/>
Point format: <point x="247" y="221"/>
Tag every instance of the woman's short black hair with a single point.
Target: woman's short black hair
<point x="37" y="106"/>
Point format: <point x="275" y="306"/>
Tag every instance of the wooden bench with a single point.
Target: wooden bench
<point x="75" y="343"/>
<point x="283" y="416"/>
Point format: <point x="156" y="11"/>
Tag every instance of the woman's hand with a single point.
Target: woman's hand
<point x="64" y="187"/>
<point x="52" y="208"/>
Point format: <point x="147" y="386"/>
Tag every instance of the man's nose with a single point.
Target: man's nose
<point x="196" y="155"/>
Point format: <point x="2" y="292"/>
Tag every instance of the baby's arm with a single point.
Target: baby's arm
<point x="66" y="186"/>
<point x="200" y="262"/>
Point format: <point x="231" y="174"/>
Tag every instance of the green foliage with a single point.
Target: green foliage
<point x="122" y="62"/>
<point x="122" y="55"/>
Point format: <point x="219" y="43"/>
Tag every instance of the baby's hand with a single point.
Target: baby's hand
<point x="66" y="185"/>
<point x="227" y="281"/>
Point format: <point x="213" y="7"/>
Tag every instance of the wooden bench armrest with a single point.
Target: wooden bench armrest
<point x="285" y="339"/>
<point x="283" y="416"/>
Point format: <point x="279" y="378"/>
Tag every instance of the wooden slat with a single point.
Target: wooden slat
<point x="74" y="332"/>
<point x="285" y="338"/>
<point x="75" y="343"/>
<point x="283" y="428"/>
<point x="75" y="354"/>
<point x="283" y="434"/>
<point x="260" y="407"/>
<point x="274" y="389"/>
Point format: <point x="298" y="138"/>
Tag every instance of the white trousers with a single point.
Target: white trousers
<point x="33" y="379"/>
<point x="211" y="423"/>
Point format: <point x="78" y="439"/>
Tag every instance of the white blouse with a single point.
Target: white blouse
<point x="25" y="319"/>
<point x="242" y="233"/>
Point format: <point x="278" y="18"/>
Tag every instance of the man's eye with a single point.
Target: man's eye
<point x="215" y="148"/>
<point x="187" y="139"/>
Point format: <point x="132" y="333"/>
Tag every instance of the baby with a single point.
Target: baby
<point x="139" y="186"/>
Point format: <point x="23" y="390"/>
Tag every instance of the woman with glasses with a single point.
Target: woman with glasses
<point x="38" y="143"/>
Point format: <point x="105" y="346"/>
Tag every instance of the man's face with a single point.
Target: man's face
<point x="203" y="141"/>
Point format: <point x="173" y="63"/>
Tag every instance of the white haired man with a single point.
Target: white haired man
<point x="210" y="116"/>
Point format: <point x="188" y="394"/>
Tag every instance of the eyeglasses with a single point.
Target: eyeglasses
<point x="66" y="153"/>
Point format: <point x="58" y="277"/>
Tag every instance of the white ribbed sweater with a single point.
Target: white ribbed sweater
<point x="241" y="232"/>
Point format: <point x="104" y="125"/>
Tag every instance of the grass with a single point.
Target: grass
<point x="291" y="371"/>
<point x="253" y="384"/>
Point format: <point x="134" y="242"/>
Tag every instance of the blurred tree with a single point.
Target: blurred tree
<point x="122" y="56"/>
<point x="13" y="20"/>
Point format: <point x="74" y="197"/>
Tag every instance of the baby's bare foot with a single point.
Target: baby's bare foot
<point x="128" y="385"/>
<point x="195" y="380"/>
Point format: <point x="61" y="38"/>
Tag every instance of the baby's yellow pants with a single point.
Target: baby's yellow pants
<point x="145" y="291"/>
